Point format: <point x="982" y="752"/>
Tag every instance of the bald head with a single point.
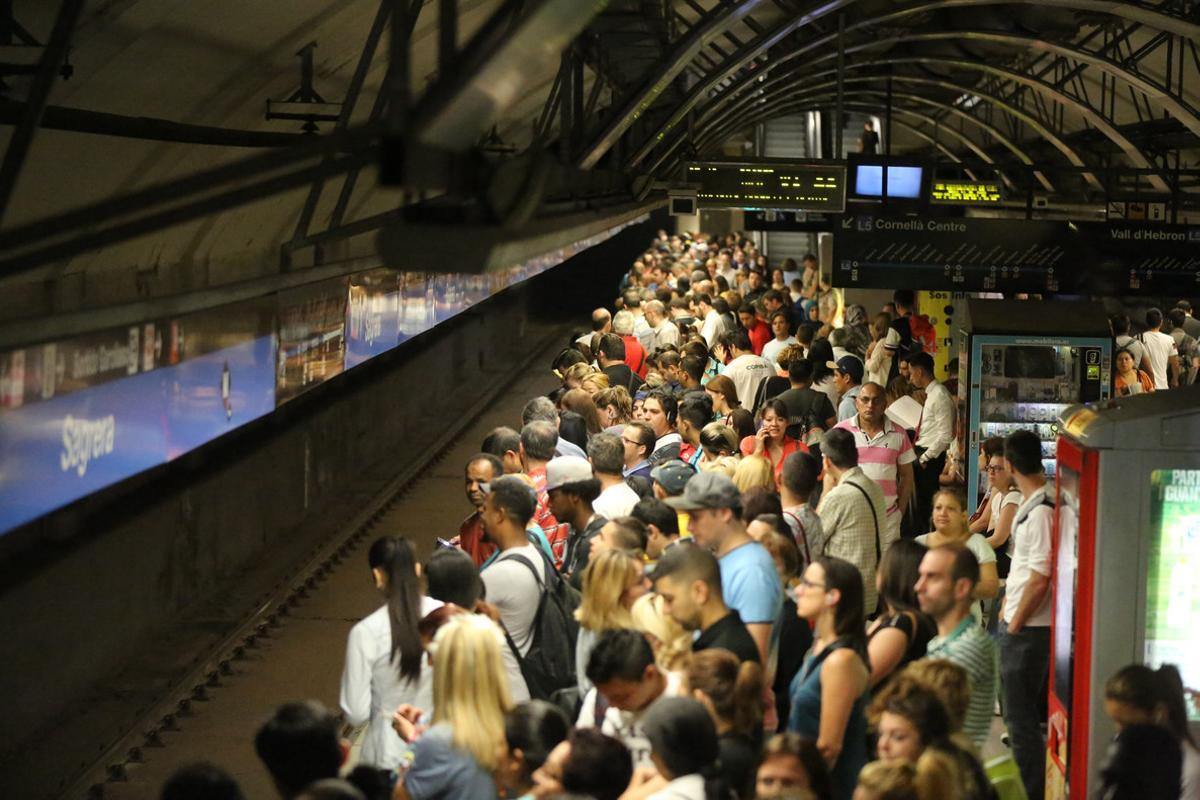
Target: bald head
<point x="601" y="320"/>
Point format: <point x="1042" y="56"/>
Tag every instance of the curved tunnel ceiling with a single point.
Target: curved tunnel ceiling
<point x="643" y="87"/>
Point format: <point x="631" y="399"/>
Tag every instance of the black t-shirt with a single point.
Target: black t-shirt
<point x="1144" y="762"/>
<point x="806" y="407"/>
<point x="795" y="637"/>
<point x="739" y="762"/>
<point x="900" y="325"/>
<point x="622" y="375"/>
<point x="869" y="142"/>
<point x="919" y="629"/>
<point x="728" y="633"/>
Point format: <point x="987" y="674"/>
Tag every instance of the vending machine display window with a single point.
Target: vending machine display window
<point x="1172" y="602"/>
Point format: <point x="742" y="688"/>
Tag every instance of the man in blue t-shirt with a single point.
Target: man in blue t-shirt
<point x="749" y="581"/>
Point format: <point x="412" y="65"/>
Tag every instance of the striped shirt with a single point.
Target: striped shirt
<point x="971" y="648"/>
<point x="851" y="522"/>
<point x="881" y="456"/>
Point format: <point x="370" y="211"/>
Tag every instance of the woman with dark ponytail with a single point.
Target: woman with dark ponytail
<point x="1152" y="746"/>
<point x="731" y="690"/>
<point x="385" y="665"/>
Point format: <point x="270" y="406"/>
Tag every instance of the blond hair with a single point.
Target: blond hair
<point x="675" y="642"/>
<point x="595" y="382"/>
<point x="947" y="680"/>
<point x="605" y="580"/>
<point x="578" y="372"/>
<point x="754" y="472"/>
<point x="470" y="686"/>
<point x="893" y="780"/>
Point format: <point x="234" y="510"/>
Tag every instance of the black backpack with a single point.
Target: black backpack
<point x="550" y="663"/>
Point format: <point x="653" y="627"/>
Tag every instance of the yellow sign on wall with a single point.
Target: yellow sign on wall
<point x="965" y="193"/>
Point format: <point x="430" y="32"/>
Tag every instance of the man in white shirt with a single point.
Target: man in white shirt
<point x="601" y="323"/>
<point x="606" y="451"/>
<point x="664" y="331"/>
<point x="934" y="434"/>
<point x="510" y="584"/>
<point x="712" y="320"/>
<point x="1025" y="618"/>
<point x="1161" y="352"/>
<point x="745" y="369"/>
<point x="781" y="326"/>
<point x="1120" y="328"/>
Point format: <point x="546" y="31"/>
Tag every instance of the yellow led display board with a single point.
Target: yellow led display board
<point x="965" y="193"/>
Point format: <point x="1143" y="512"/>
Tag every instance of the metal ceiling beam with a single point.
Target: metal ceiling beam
<point x="39" y="92"/>
<point x="730" y="117"/>
<point x="522" y="39"/>
<point x="713" y="26"/>
<point x="1145" y="15"/>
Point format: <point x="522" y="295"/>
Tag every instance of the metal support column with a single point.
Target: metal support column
<point x="839" y="121"/>
<point x="39" y="93"/>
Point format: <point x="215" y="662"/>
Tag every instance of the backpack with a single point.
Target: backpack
<point x="550" y="663"/>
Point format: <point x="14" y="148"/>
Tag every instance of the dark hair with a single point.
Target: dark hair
<point x="612" y="347"/>
<point x="993" y="446"/>
<point x="965" y="564"/>
<point x="820" y="353"/>
<point x="683" y="736"/>
<point x="670" y="405"/>
<point x="644" y="435"/>
<point x="799" y="370"/>
<point x="697" y="409"/>
<point x="515" y="498"/>
<point x="586" y="491"/>
<point x="535" y="728"/>
<point x="742" y="422"/>
<point x="799" y="473"/>
<point x="620" y="655"/>
<point x="566" y="358"/>
<point x="776" y="406"/>
<point x="1119" y="323"/>
<point x="632" y="533"/>
<point x="747" y="308"/>
<point x="693" y="365"/>
<point x="805" y="751"/>
<point x="921" y="707"/>
<point x="372" y="782"/>
<point x="848" y="619"/>
<point x="451" y="576"/>
<point x="696" y="347"/>
<point x="500" y="441"/>
<point x="1154" y="318"/>
<point x="539" y="438"/>
<point x="1145" y="689"/>
<point x="653" y="511"/>
<point x="687" y="563"/>
<point x="394" y="557"/>
<point x="922" y="361"/>
<point x="572" y="427"/>
<point x="904" y="298"/>
<point x="1023" y="449"/>
<point x="599" y="767"/>
<point x="839" y="447"/>
<point x="1177" y="317"/>
<point x="201" y="781"/>
<point x="899" y="569"/>
<point x="299" y="745"/>
<point x="760" y="501"/>
<point x="737" y="338"/>
<point x="733" y="686"/>
<point x="495" y="463"/>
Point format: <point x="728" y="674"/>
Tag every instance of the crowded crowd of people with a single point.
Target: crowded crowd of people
<point x="710" y="565"/>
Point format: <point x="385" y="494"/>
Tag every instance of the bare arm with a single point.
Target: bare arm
<point x="1173" y="369"/>
<point x="981" y="523"/>
<point x="989" y="581"/>
<point x="760" y="632"/>
<point x="1035" y="592"/>
<point x="1003" y="529"/>
<point x="886" y="648"/>
<point x="843" y="678"/>
<point x="905" y="489"/>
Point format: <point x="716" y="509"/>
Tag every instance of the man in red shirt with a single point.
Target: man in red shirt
<point x="760" y="332"/>
<point x="483" y="468"/>
<point x="635" y="354"/>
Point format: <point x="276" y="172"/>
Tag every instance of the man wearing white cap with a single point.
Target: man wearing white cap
<point x="571" y="488"/>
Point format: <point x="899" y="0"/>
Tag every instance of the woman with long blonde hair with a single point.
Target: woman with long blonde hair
<point x="670" y="642"/>
<point x="458" y="754"/>
<point x="612" y="581"/>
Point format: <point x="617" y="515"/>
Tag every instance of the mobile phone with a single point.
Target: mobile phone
<point x="443" y="543"/>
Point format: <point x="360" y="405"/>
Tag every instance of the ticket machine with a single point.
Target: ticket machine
<point x="1126" y="565"/>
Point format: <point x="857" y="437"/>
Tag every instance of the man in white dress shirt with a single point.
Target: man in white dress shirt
<point x="934" y="434"/>
<point x="712" y="326"/>
<point x="665" y="332"/>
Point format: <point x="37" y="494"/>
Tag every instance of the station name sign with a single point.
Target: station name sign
<point x="991" y="255"/>
<point x="770" y="184"/>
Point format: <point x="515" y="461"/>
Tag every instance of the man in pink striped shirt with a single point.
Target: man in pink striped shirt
<point x="884" y="453"/>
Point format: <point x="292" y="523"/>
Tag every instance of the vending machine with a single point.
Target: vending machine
<point x="1126" y="563"/>
<point x="1021" y="363"/>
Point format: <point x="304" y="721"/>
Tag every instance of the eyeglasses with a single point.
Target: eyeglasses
<point x="633" y="442"/>
<point x="994" y="468"/>
<point x="805" y="583"/>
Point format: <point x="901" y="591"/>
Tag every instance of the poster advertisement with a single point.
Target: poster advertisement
<point x="312" y="337"/>
<point x="1172" y="602"/>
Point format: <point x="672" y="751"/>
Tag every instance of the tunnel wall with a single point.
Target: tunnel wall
<point x="105" y="579"/>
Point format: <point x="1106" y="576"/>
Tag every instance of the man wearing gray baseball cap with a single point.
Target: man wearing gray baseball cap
<point x="749" y="581"/>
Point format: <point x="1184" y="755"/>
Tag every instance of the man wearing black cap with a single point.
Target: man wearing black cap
<point x="847" y="379"/>
<point x="669" y="480"/>
<point x="749" y="582"/>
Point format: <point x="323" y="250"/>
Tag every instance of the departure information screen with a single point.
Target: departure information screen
<point x="769" y="184"/>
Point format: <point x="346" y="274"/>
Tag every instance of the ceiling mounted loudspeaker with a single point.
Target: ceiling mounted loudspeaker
<point x="683" y="204"/>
